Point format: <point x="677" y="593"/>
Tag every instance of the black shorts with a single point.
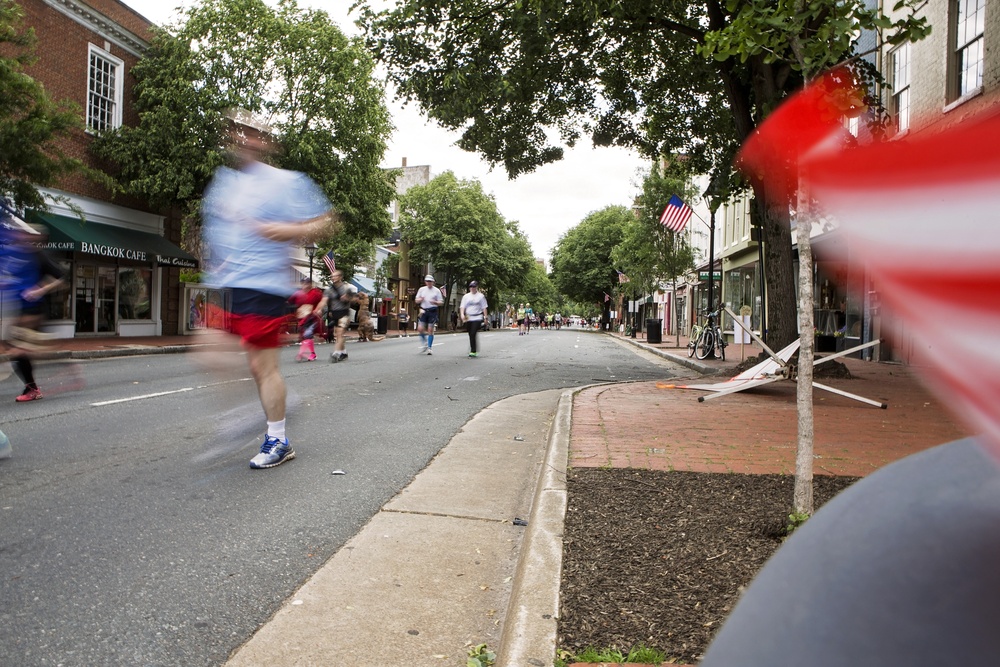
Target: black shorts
<point x="428" y="316"/>
<point x="339" y="318"/>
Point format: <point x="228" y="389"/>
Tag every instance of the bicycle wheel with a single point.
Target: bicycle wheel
<point x="720" y="345"/>
<point x="706" y="343"/>
<point x="693" y="340"/>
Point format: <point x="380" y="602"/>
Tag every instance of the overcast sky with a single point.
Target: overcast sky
<point x="546" y="203"/>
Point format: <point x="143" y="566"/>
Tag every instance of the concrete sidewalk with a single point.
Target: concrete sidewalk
<point x="443" y="567"/>
<point x="432" y="573"/>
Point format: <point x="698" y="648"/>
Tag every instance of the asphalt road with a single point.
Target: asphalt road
<point x="132" y="531"/>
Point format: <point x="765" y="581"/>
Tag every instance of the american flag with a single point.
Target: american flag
<point x="330" y="263"/>
<point x="622" y="278"/>
<point x="607" y="297"/>
<point x="676" y="214"/>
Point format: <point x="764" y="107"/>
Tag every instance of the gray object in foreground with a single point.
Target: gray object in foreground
<point x="899" y="569"/>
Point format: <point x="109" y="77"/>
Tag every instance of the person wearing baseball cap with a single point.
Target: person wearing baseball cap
<point x="428" y="298"/>
<point x="473" y="310"/>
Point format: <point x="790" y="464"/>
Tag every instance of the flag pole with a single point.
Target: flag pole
<point x="711" y="264"/>
<point x="710" y="226"/>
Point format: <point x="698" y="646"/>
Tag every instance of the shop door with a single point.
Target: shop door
<point x="96" y="290"/>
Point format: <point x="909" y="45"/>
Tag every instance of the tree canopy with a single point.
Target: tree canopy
<point x="457" y="227"/>
<point x="536" y="289"/>
<point x="290" y="65"/>
<point x="582" y="266"/>
<point x="650" y="254"/>
<point x="31" y="123"/>
<point x="667" y="77"/>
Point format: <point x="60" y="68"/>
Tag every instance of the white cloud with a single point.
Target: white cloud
<point x="546" y="203"/>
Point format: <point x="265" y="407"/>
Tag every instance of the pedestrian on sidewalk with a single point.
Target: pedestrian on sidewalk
<point x="253" y="214"/>
<point x="473" y="314"/>
<point x="429" y="298"/>
<point x="337" y="301"/>
<point x="28" y="275"/>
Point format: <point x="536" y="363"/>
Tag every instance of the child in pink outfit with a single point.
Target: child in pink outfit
<point x="308" y="323"/>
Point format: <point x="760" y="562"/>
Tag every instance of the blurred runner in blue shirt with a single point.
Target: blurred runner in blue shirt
<point x="253" y="216"/>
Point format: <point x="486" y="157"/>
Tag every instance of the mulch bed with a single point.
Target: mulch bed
<point x="660" y="558"/>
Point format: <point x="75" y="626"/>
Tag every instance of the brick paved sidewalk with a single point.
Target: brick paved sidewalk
<point x="645" y="425"/>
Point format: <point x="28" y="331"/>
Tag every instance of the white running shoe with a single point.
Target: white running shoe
<point x="273" y="452"/>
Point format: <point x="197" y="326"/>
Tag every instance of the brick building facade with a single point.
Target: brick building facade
<point x="949" y="77"/>
<point x="123" y="261"/>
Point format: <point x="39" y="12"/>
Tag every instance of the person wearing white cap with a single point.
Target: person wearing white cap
<point x="429" y="298"/>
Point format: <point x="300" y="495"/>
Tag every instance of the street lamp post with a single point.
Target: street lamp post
<point x="311" y="254"/>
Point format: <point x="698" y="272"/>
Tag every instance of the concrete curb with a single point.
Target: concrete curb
<point x="115" y="352"/>
<point x="432" y="572"/>
<point x="133" y="351"/>
<point x="531" y="621"/>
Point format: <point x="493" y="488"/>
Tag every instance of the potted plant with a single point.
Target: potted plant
<point x="839" y="337"/>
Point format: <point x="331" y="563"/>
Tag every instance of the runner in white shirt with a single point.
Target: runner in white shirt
<point x="473" y="314"/>
<point x="429" y="298"/>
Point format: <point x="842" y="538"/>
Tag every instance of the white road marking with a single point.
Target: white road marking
<point x="139" y="398"/>
<point x="165" y="393"/>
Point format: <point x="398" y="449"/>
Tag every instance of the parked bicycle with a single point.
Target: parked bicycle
<point x="709" y="339"/>
<point x="694" y="337"/>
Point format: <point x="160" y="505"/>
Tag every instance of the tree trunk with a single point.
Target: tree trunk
<point x="673" y="316"/>
<point x="803" y="494"/>
<point x="778" y="268"/>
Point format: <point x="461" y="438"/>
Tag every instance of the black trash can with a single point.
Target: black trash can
<point x="382" y="325"/>
<point x="653" y="328"/>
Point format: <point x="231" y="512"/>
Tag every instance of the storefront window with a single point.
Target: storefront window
<point x="197" y="309"/>
<point x="742" y="289"/>
<point x="59" y="300"/>
<point x="134" y="289"/>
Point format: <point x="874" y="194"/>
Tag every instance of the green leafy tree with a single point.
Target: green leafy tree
<point x="457" y="227"/>
<point x="586" y="310"/>
<point x="804" y="38"/>
<point x="32" y="125"/>
<point x="650" y="254"/>
<point x="672" y="77"/>
<point x="537" y="290"/>
<point x="291" y="65"/>
<point x="385" y="271"/>
<point x="582" y="266"/>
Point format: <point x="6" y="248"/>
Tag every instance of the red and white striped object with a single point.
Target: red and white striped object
<point x="923" y="212"/>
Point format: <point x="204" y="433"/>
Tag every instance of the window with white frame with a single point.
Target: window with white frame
<point x="104" y="91"/>
<point x="969" y="25"/>
<point x="899" y="60"/>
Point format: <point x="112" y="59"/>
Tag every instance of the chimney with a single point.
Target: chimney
<point x="404" y="161"/>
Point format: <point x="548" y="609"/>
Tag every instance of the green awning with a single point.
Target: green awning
<point x="95" y="238"/>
